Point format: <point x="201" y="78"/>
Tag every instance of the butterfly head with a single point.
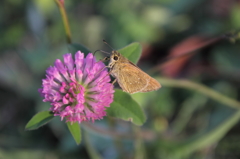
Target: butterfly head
<point x="115" y="56"/>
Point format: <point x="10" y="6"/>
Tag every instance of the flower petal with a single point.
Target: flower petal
<point x="77" y="89"/>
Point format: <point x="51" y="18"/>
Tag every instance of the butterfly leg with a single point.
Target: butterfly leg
<point x="102" y="69"/>
<point x="114" y="81"/>
<point x="104" y="59"/>
<point x="100" y="72"/>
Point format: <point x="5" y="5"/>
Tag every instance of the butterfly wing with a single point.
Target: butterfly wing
<point x="132" y="79"/>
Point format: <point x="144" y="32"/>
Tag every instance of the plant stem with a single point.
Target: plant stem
<point x="202" y="89"/>
<point x="90" y="148"/>
<point x="61" y="7"/>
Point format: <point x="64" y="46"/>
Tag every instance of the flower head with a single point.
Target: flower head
<point x="78" y="89"/>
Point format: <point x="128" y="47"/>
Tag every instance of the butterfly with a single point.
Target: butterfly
<point x="129" y="76"/>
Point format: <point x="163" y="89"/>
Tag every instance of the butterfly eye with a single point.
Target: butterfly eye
<point x="115" y="58"/>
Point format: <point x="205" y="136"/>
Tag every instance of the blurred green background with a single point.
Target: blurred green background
<point x="33" y="36"/>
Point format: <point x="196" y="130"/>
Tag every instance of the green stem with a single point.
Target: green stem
<point x="192" y="144"/>
<point x="200" y="88"/>
<point x="189" y="106"/>
<point x="90" y="149"/>
<point x="117" y="141"/>
<point x="145" y="134"/>
<point x="61" y="7"/>
<point x="140" y="152"/>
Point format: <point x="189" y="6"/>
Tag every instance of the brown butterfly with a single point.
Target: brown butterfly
<point x="130" y="77"/>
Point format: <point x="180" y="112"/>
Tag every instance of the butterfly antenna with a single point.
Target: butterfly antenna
<point x="101" y="51"/>
<point x="107" y="44"/>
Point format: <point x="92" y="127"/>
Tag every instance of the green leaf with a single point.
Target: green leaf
<point x="75" y="130"/>
<point x="132" y="52"/>
<point x="74" y="47"/>
<point x="124" y="107"/>
<point x="39" y="119"/>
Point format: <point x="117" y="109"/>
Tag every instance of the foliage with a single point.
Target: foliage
<point x="194" y="117"/>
